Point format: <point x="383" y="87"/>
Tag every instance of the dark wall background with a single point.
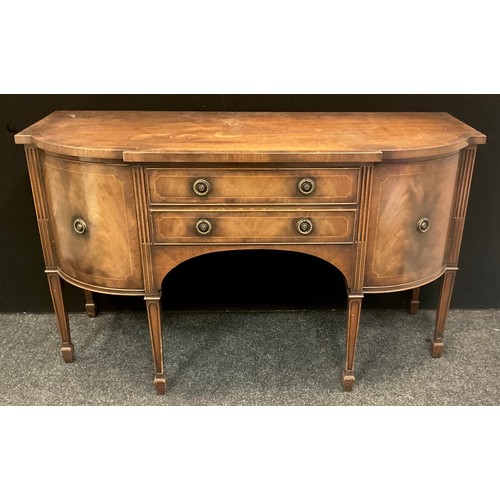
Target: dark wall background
<point x="248" y="280"/>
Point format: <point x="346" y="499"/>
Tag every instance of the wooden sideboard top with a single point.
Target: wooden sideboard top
<point x="151" y="136"/>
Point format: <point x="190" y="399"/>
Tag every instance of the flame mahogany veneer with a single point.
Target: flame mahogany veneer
<point x="123" y="197"/>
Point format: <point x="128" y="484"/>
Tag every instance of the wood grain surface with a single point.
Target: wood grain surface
<point x="148" y="136"/>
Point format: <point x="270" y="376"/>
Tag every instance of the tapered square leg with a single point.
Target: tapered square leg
<point x="153" y="306"/>
<point x="90" y="304"/>
<point x="56" y="292"/>
<point x="437" y="345"/>
<point x="414" y="302"/>
<point x="353" y="315"/>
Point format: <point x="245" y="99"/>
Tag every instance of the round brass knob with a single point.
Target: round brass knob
<point x="304" y="226"/>
<point x="201" y="187"/>
<point x="306" y="186"/>
<point x="79" y="226"/>
<point x="203" y="226"/>
<point x="423" y="225"/>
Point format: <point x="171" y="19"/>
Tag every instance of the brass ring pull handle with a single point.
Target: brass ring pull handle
<point x="304" y="226"/>
<point x="306" y="186"/>
<point x="79" y="226"/>
<point x="203" y="226"/>
<point x="201" y="187"/>
<point x="423" y="225"/>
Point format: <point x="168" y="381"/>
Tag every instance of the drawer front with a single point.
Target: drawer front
<point x="266" y="227"/>
<point x="252" y="186"/>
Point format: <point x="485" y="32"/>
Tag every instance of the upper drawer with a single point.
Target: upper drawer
<point x="252" y="186"/>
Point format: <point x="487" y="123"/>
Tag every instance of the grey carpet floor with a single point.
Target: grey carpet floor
<point x="252" y="358"/>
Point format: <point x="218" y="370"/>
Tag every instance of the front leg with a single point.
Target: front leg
<point x="442" y="311"/>
<point x="353" y="315"/>
<point x="153" y="306"/>
<point x="56" y="292"/>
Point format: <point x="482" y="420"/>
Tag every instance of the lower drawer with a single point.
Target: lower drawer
<point x="253" y="226"/>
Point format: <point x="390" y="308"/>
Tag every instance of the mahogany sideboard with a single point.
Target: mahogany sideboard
<point x="123" y="197"/>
